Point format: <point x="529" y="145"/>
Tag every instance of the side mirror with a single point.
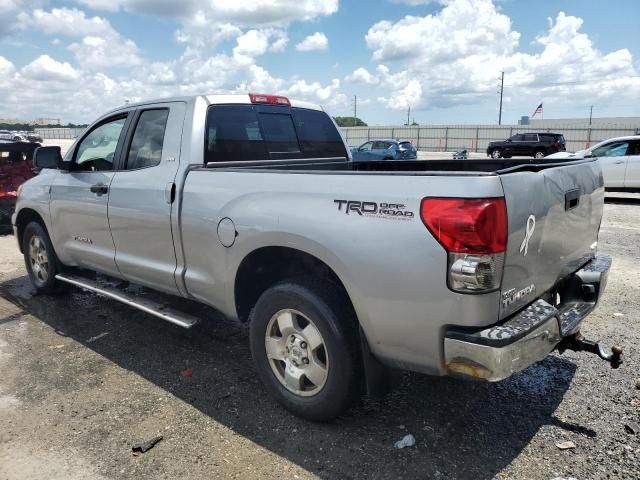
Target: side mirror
<point x="47" y="157"/>
<point x="589" y="155"/>
<point x="508" y="139"/>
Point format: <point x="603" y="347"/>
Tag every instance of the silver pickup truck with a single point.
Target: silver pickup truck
<point x="252" y="204"/>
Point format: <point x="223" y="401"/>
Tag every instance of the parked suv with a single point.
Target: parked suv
<point x="537" y="145"/>
<point x="385" y="150"/>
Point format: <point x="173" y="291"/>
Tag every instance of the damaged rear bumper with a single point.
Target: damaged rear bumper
<point x="498" y="351"/>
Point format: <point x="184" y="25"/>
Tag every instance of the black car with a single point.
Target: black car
<point x="537" y="145"/>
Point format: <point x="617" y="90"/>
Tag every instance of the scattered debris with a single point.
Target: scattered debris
<point x="407" y="441"/>
<point x="566" y="445"/>
<point x="618" y="314"/>
<point x="97" y="337"/>
<point x="632" y="428"/>
<point x="143" y="447"/>
<point x="638" y="384"/>
<point x="186" y="373"/>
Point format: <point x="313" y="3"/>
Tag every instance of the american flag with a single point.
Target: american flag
<point x="537" y="110"/>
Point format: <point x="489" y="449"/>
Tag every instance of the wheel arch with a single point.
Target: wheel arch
<point x="24" y="217"/>
<point x="268" y="265"/>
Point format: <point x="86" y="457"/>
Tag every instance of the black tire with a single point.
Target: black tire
<point x="330" y="312"/>
<point x="496" y="153"/>
<point x="43" y="279"/>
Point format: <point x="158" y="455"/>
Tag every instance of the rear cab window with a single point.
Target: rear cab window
<point x="260" y="132"/>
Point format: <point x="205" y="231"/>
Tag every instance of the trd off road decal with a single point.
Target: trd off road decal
<point x="393" y="211"/>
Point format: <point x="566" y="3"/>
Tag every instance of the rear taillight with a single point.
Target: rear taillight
<point x="473" y="231"/>
<point x="269" y="99"/>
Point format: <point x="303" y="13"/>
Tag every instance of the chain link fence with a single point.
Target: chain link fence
<point x="476" y="138"/>
<point x="440" y="138"/>
<point x="63" y="133"/>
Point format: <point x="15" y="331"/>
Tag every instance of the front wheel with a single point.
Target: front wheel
<point x="496" y="153"/>
<point x="539" y="154"/>
<point x="304" y="345"/>
<point x="40" y="259"/>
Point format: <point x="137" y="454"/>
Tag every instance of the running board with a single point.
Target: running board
<point x="157" y="309"/>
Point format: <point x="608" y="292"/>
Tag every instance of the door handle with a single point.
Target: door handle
<point x="99" y="189"/>
<point x="618" y="162"/>
<point x="571" y="199"/>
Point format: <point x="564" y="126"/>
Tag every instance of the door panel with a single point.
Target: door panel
<point x="613" y="161"/>
<point x="79" y="220"/>
<point x="79" y="199"/>
<point x="140" y="201"/>
<point x="632" y="173"/>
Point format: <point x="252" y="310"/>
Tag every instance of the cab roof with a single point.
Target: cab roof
<point x="214" y="99"/>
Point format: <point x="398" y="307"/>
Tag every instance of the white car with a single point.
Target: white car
<point x="619" y="159"/>
<point x="9" y="136"/>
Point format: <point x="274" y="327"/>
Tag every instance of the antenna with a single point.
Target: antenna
<point x="501" y="92"/>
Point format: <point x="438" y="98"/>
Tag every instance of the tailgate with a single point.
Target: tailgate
<point x="554" y="216"/>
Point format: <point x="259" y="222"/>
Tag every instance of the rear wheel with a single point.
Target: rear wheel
<point x="40" y="259"/>
<point x="496" y="153"/>
<point x="539" y="154"/>
<point x="304" y="345"/>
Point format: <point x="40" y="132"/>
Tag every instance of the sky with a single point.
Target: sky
<point x="76" y="59"/>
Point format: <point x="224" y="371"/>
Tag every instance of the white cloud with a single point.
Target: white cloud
<point x="105" y="52"/>
<point x="244" y="13"/>
<point x="455" y="55"/>
<point x="45" y="68"/>
<point x="316" y="41"/>
<point x="254" y="43"/>
<point x="13" y="15"/>
<point x="462" y="28"/>
<point x="362" y="75"/>
<point x="70" y="22"/>
<point x="414" y="3"/>
<point x="100" y="46"/>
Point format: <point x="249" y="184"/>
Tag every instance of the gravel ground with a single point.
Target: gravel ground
<point x="84" y="378"/>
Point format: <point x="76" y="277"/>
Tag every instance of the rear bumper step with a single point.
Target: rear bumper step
<point x="497" y="352"/>
<point x="157" y="309"/>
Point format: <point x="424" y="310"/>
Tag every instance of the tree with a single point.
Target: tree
<point x="16" y="127"/>
<point x="349" y="122"/>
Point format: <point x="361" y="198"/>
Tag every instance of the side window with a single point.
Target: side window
<point x="635" y="148"/>
<point x="517" y="138"/>
<point x="279" y="133"/>
<point x="530" y="137"/>
<point x="317" y="134"/>
<point x="367" y="146"/>
<point x="233" y="134"/>
<point x="148" y="138"/>
<point x="616" y="149"/>
<point x="246" y="132"/>
<point x="96" y="151"/>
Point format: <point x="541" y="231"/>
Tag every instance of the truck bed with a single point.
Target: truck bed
<point x="430" y="167"/>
